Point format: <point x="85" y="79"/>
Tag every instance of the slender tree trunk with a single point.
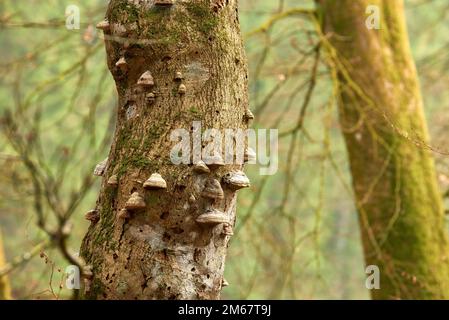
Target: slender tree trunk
<point x="5" y="289"/>
<point x="394" y="180"/>
<point x="193" y="50"/>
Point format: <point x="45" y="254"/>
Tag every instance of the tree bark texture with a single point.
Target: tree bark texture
<point x="194" y="53"/>
<point x="394" y="180"/>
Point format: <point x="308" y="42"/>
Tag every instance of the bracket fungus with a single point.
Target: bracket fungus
<point x="224" y="283"/>
<point x="212" y="190"/>
<point x="212" y="216"/>
<point x="182" y="89"/>
<point x="151" y="97"/>
<point x="135" y="202"/>
<point x="104" y="25"/>
<point x="124" y="214"/>
<point x="100" y="168"/>
<point x="122" y="64"/>
<point x="87" y="272"/>
<point x="249" y="115"/>
<point x="155" y="182"/>
<point x="192" y="199"/>
<point x="214" y="161"/>
<point x="227" y="230"/>
<point x="178" y="76"/>
<point x="250" y="155"/>
<point x="163" y="3"/>
<point x="113" y="180"/>
<point x="93" y="216"/>
<point x="201" y="167"/>
<point x="146" y="80"/>
<point x="236" y="180"/>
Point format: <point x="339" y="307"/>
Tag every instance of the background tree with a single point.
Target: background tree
<point x="394" y="180"/>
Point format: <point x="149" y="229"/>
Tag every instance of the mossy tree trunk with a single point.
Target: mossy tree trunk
<point x="394" y="180"/>
<point x="161" y="251"/>
<point x="5" y="289"/>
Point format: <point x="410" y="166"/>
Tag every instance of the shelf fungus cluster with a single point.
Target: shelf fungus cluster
<point x="124" y="214"/>
<point x="104" y="25"/>
<point x="136" y="201"/>
<point x="150" y="97"/>
<point x="122" y="64"/>
<point x="100" y="168"/>
<point x="233" y="181"/>
<point x="155" y="182"/>
<point x="182" y="89"/>
<point x="236" y="180"/>
<point x="113" y="180"/>
<point x="249" y="115"/>
<point x="192" y="199"/>
<point x="212" y="190"/>
<point x="224" y="283"/>
<point x="178" y="76"/>
<point x="87" y="272"/>
<point x="93" y="216"/>
<point x="146" y="80"/>
<point x="201" y="167"/>
<point x="213" y="217"/>
<point x="227" y="230"/>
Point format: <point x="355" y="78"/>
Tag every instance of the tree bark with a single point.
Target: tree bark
<point x="394" y="180"/>
<point x="161" y="251"/>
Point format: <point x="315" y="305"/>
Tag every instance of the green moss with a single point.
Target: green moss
<point x="124" y="12"/>
<point x="113" y="246"/>
<point x="156" y="13"/>
<point x="151" y="136"/>
<point x="202" y="15"/>
<point x="124" y="136"/>
<point x="140" y="162"/>
<point x="194" y="110"/>
<point x="156" y="21"/>
<point x="172" y="26"/>
<point x="193" y="114"/>
<point x="152" y="199"/>
<point x="133" y="162"/>
<point x="134" y="143"/>
<point x="169" y="27"/>
<point x="97" y="289"/>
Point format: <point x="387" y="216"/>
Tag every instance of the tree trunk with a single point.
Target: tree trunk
<point x="193" y="50"/>
<point x="5" y="289"/>
<point x="394" y="180"/>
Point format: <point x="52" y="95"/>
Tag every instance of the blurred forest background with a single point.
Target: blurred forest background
<point x="297" y="235"/>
